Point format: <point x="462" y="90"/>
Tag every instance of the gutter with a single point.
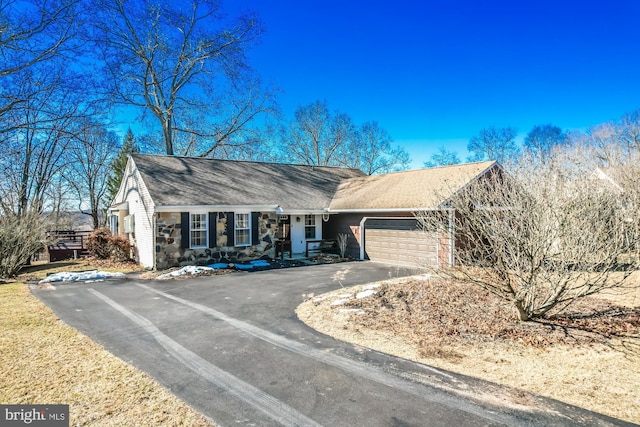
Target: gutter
<point x="385" y="210"/>
<point x="154" y="229"/>
<point x="277" y="209"/>
<point x="216" y="208"/>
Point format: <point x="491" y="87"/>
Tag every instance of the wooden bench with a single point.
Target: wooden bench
<point x="67" y="244"/>
<point x="283" y="246"/>
<point x="325" y="246"/>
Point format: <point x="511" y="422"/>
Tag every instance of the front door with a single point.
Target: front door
<point x="298" y="244"/>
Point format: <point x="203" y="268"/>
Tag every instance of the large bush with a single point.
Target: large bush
<point x="542" y="235"/>
<point x="21" y="236"/>
<point x="103" y="245"/>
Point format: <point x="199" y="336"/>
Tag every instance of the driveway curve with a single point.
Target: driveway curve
<point x="232" y="347"/>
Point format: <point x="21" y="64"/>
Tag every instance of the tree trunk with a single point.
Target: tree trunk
<point x="168" y="135"/>
<point x="521" y="313"/>
<point x="95" y="215"/>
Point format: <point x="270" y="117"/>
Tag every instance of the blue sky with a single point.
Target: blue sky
<point x="434" y="73"/>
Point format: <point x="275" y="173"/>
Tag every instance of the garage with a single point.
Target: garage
<point x="399" y="241"/>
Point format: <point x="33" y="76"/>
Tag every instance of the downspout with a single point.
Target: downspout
<point x="362" y="221"/>
<point x="153" y="233"/>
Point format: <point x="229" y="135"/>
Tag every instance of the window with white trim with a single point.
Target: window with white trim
<point x="113" y="224"/>
<point x="198" y="230"/>
<point x="242" y="229"/>
<point x="310" y="226"/>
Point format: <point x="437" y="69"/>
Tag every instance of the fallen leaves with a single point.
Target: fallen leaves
<point x="445" y="310"/>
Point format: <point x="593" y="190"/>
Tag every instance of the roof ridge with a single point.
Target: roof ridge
<point x="240" y="161"/>
<point x="487" y="162"/>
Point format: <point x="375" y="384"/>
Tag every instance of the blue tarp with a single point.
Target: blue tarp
<point x="218" y="265"/>
<point x="252" y="265"/>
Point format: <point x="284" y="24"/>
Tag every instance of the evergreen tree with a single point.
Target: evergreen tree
<point x="119" y="163"/>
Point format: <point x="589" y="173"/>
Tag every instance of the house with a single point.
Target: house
<point x="178" y="211"/>
<point x="622" y="181"/>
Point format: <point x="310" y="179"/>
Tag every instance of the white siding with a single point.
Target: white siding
<point x="133" y="191"/>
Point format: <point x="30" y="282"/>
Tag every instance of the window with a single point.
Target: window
<point x="198" y="230"/>
<point x="242" y="225"/>
<point x="113" y="224"/>
<point x="310" y="226"/>
<point x="129" y="224"/>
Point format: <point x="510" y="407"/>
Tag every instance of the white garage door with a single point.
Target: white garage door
<point x="400" y="242"/>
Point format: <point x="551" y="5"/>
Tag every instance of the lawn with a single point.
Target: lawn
<point x="45" y="361"/>
<point x="589" y="357"/>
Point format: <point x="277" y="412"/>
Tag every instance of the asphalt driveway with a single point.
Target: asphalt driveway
<point x="232" y="347"/>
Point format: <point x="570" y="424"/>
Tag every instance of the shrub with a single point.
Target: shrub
<point x="103" y="245"/>
<point x="98" y="243"/>
<point x="21" y="236"/>
<point x="120" y="248"/>
<point x="342" y="244"/>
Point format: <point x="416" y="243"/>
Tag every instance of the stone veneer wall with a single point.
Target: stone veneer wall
<point x="170" y="253"/>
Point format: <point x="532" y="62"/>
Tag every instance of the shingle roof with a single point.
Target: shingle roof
<point x="185" y="181"/>
<point x="407" y="190"/>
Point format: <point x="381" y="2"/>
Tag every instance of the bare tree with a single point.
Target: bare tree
<point x="32" y="32"/>
<point x="373" y="153"/>
<point x="494" y="144"/>
<point x="38" y="132"/>
<point x="541" y="139"/>
<point x="186" y="65"/>
<point x="319" y="136"/>
<point x="443" y="157"/>
<point x="89" y="156"/>
<point x="41" y="93"/>
<point x="39" y="88"/>
<point x="628" y="131"/>
<point x="541" y="237"/>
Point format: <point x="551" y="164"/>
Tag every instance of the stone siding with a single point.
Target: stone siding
<point x="171" y="253"/>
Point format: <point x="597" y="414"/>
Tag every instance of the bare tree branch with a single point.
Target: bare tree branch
<point x="182" y="60"/>
<point x="543" y="236"/>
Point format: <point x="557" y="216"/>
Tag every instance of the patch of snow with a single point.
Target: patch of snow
<point x="187" y="270"/>
<point x="372" y="286"/>
<point x="81" y="276"/>
<point x="339" y="302"/>
<point x="365" y="294"/>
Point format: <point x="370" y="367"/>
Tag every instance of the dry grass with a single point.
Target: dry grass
<point x="589" y="357"/>
<point x="40" y="269"/>
<point x="44" y="361"/>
